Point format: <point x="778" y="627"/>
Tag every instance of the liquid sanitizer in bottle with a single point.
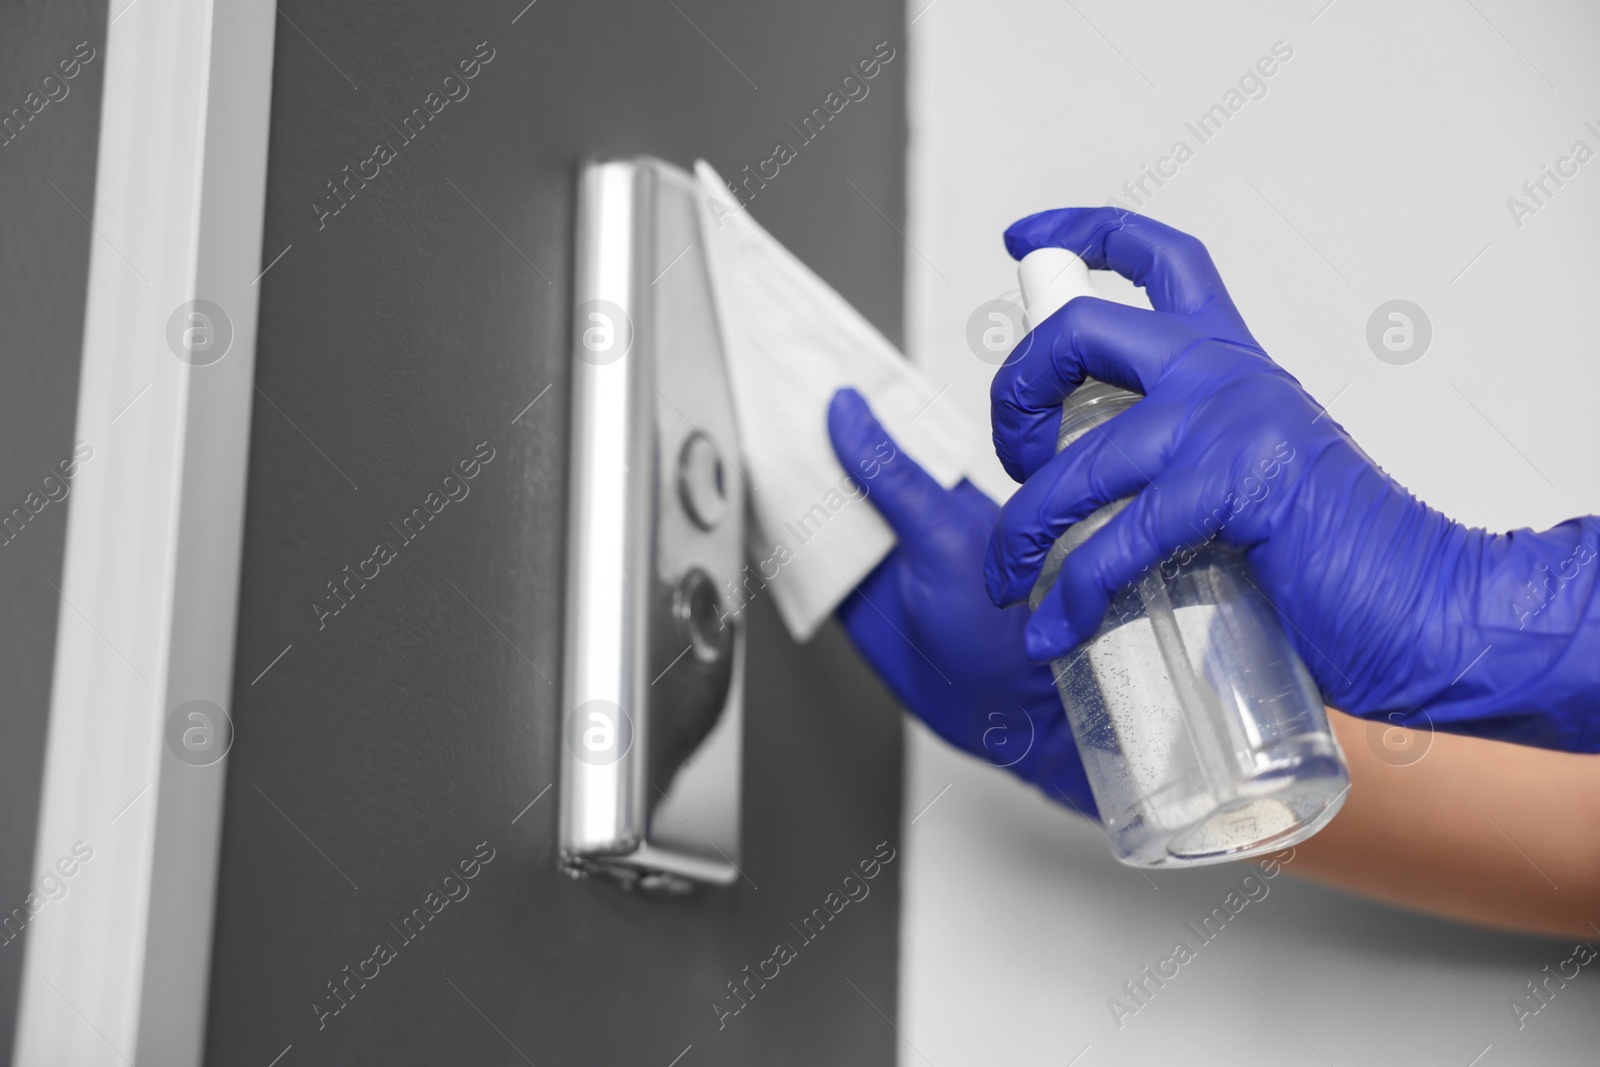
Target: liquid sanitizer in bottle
<point x="1203" y="736"/>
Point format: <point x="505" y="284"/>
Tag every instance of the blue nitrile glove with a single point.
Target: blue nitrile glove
<point x="1398" y="611"/>
<point x="922" y="621"/>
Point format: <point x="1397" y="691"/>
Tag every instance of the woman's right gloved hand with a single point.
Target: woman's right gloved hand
<point x="1399" y="612"/>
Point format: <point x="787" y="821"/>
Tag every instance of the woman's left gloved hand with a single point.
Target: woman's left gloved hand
<point x="924" y="622"/>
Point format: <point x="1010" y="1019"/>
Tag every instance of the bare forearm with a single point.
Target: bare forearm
<point x="1489" y="833"/>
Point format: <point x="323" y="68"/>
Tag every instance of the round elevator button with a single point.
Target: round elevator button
<point x="698" y="609"/>
<point x="702" y="481"/>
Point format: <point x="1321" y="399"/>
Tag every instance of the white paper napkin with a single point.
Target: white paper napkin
<point x="791" y="342"/>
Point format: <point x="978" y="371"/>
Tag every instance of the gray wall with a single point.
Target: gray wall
<point x="44" y="267"/>
<point x="381" y="749"/>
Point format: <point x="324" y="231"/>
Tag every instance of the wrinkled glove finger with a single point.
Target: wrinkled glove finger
<point x="1160" y="522"/>
<point x="1111" y="461"/>
<point x="1126" y="346"/>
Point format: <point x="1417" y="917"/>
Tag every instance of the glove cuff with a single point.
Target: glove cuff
<point x="1520" y="632"/>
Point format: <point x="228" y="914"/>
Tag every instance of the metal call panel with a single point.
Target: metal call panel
<point x="653" y="685"/>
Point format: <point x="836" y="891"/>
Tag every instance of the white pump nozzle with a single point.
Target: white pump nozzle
<point x="1049" y="278"/>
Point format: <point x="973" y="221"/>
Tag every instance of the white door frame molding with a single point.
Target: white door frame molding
<point x="117" y="969"/>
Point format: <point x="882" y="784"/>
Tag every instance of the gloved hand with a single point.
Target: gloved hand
<point x="922" y="621"/>
<point x="1398" y="611"/>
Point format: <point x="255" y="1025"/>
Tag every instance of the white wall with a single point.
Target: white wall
<point x="1377" y="166"/>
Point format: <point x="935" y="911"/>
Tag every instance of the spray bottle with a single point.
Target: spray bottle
<point x="1202" y="733"/>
